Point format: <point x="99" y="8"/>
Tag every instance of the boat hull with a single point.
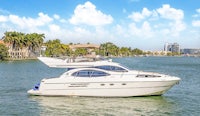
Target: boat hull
<point x="112" y="89"/>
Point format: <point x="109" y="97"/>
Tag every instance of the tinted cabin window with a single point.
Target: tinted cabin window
<point x="89" y="73"/>
<point x="112" y="68"/>
<point x="98" y="74"/>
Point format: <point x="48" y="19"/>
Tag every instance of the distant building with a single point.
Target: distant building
<point x="190" y="51"/>
<point x="14" y="53"/>
<point x="167" y="47"/>
<point x="174" y="48"/>
<point x="17" y="53"/>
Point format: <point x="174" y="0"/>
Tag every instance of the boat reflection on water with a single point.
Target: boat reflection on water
<point x="155" y="105"/>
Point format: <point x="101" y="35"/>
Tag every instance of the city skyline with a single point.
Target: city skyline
<point x="132" y="23"/>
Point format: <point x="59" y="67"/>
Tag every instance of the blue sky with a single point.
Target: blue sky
<point x="143" y="24"/>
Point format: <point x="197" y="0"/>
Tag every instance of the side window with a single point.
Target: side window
<point x="112" y="68"/>
<point x="84" y="73"/>
<point x="75" y="74"/>
<point x="118" y="69"/>
<point x="89" y="73"/>
<point x="81" y="74"/>
<point x="99" y="74"/>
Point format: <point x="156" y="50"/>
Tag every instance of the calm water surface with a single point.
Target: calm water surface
<point x="182" y="100"/>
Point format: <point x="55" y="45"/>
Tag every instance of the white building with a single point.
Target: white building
<point x="174" y="48"/>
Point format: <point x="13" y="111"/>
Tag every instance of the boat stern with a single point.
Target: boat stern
<point x="35" y="90"/>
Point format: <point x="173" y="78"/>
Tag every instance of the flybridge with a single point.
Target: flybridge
<point x="78" y="62"/>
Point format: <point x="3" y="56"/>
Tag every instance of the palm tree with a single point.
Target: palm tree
<point x="125" y="51"/>
<point x="56" y="48"/>
<point x="19" y="40"/>
<point x="16" y="39"/>
<point x="109" y="49"/>
<point x="34" y="42"/>
<point x="37" y="40"/>
<point x="3" y="52"/>
<point x="8" y="38"/>
<point x="28" y="41"/>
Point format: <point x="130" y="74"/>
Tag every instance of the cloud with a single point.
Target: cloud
<point x="167" y="12"/>
<point x="55" y="32"/>
<point x="197" y="14"/>
<point x="56" y="16"/>
<point x="63" y="21"/>
<point x="176" y="16"/>
<point x="54" y="28"/>
<point x="3" y="18"/>
<point x="145" y="31"/>
<point x="27" y="22"/>
<point x="119" y="29"/>
<point x="137" y="16"/>
<point x="173" y="19"/>
<point x="198" y="10"/>
<point x="196" y="23"/>
<point x="89" y="15"/>
<point x="177" y="27"/>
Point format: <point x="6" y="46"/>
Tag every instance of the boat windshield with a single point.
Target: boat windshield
<point x="112" y="68"/>
<point x="90" y="73"/>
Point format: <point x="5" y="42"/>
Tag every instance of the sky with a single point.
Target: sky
<point x="143" y="24"/>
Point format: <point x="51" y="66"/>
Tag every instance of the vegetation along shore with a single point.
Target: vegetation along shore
<point x="19" y="46"/>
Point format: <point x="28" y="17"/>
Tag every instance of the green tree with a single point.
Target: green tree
<point x="80" y="52"/>
<point x="65" y="50"/>
<point x="169" y="54"/>
<point x="109" y="49"/>
<point x="125" y="51"/>
<point x="55" y="48"/>
<point x="34" y="41"/>
<point x="37" y="40"/>
<point x="3" y="52"/>
<point x="19" y="40"/>
<point x="12" y="38"/>
<point x="137" y="51"/>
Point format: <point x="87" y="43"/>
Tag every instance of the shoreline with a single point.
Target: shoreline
<point x="26" y="59"/>
<point x="19" y="59"/>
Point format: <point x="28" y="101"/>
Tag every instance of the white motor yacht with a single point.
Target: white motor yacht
<point x="105" y="79"/>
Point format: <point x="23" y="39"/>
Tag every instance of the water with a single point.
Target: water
<point x="182" y="100"/>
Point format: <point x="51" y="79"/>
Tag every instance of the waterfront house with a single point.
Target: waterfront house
<point x="17" y="53"/>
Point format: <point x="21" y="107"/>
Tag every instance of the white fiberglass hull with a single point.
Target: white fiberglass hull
<point x="105" y="89"/>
